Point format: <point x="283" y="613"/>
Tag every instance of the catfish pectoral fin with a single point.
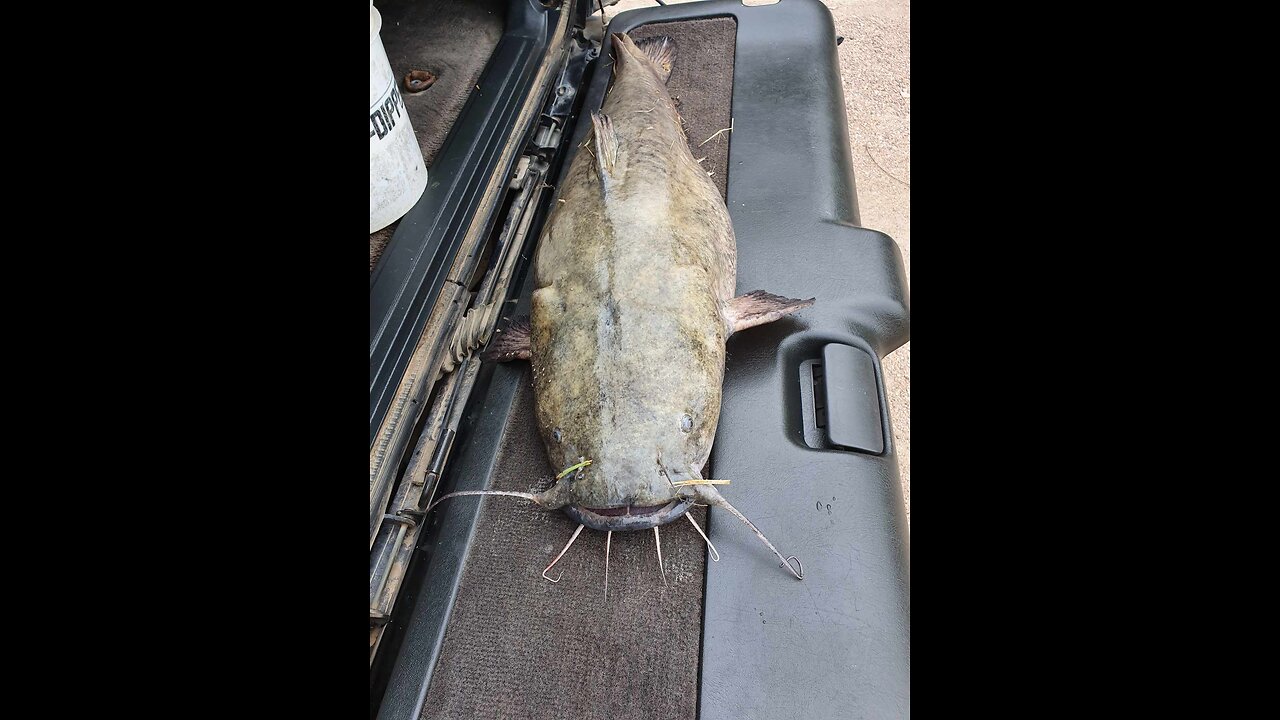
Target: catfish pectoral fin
<point x="759" y="307"/>
<point x="510" y="344"/>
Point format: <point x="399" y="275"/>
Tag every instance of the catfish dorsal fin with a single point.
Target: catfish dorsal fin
<point x="606" y="143"/>
<point x="661" y="51"/>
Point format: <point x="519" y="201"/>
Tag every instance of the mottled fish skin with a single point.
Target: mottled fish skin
<point x="628" y="322"/>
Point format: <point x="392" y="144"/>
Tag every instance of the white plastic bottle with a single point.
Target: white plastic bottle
<point x="397" y="172"/>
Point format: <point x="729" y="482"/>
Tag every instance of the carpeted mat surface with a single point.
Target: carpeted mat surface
<point x="378" y="243"/>
<point x="453" y="40"/>
<point x="518" y="646"/>
<point x="702" y="85"/>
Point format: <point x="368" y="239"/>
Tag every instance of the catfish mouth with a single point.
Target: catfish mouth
<point x="629" y="517"/>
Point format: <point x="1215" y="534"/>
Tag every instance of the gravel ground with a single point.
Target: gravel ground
<point x="875" y="64"/>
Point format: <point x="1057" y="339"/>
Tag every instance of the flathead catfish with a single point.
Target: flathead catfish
<point x="633" y="302"/>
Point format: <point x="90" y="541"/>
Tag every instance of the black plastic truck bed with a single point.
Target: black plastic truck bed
<point x="804" y="436"/>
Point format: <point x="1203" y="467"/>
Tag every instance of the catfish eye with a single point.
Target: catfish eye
<point x="686" y="424"/>
<point x="557" y="434"/>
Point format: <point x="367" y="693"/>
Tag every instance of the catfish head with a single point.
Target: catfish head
<point x="635" y="463"/>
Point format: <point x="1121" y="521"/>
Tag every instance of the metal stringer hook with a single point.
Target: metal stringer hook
<point x="562" y="552"/>
<point x="713" y="497"/>
<point x="658" y="540"/>
<point x="607" y="540"/>
<point x="715" y="556"/>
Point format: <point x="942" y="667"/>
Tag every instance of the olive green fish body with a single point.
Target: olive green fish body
<point x="627" y="327"/>
<point x="633" y="302"/>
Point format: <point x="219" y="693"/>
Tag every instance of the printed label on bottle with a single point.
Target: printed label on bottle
<point x="384" y="113"/>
